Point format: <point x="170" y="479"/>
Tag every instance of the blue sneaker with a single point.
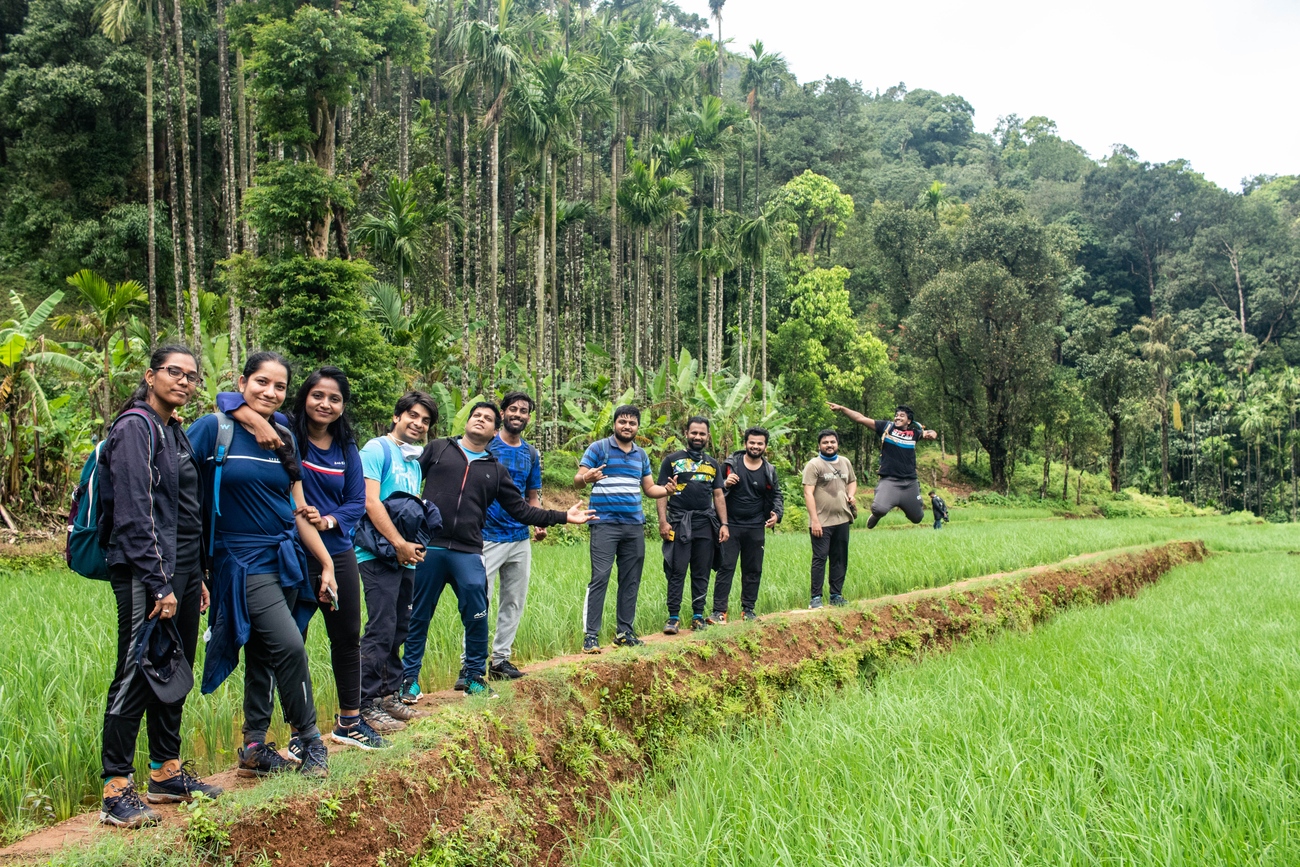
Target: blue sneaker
<point x="590" y="644"/>
<point x="476" y="685"/>
<point x="180" y="787"/>
<point x="125" y="809"/>
<point x="410" y="692"/>
<point x="315" y="759"/>
<point x="816" y="602"/>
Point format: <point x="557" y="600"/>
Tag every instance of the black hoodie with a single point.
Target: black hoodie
<point x="463" y="489"/>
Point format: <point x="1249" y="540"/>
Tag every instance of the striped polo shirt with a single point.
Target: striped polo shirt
<point x="617" y="497"/>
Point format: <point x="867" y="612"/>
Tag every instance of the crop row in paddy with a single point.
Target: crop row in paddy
<point x="57" y="652"/>
<point x="1161" y="730"/>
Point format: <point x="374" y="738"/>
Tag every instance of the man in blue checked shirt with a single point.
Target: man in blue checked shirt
<point x="620" y="472"/>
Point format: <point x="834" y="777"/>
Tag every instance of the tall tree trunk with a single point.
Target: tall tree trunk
<point x="700" y="358"/>
<point x="404" y="125"/>
<point x="198" y="154"/>
<point x="554" y="276"/>
<point x="191" y="253"/>
<point x="245" y="148"/>
<point x="229" y="184"/>
<point x="615" y="265"/>
<point x="152" y="251"/>
<point x="494" y="263"/>
<point x="173" y="186"/>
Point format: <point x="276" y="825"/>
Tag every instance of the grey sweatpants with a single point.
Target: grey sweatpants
<point x="904" y="494"/>
<point x="610" y="542"/>
<point x="512" y="562"/>
<point x="275" y="658"/>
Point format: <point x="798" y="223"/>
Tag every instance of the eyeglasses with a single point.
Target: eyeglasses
<point x="176" y="373"/>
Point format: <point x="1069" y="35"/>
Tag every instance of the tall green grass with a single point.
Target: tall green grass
<point x="58" y="648"/>
<point x="1162" y="730"/>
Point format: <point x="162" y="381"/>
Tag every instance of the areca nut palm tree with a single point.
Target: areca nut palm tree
<point x="1158" y="339"/>
<point x="393" y="230"/>
<point x="764" y="72"/>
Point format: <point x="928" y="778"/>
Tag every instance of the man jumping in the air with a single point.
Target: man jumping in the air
<point x="898" y="486"/>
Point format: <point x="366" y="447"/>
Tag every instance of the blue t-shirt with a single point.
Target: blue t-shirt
<point x="334" y="482"/>
<point x="617" y="497"/>
<point x="525" y="467"/>
<point x="403" y="474"/>
<point x="255" y="489"/>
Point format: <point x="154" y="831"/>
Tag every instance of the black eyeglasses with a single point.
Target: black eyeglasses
<point x="176" y="373"/>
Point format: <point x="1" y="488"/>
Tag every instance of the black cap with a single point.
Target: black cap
<point x="161" y="658"/>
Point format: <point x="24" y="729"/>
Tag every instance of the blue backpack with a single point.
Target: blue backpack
<point x="82" y="550"/>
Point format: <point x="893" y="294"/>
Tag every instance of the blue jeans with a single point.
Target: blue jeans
<point x="468" y="580"/>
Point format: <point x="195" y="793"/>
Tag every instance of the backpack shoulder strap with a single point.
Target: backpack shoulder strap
<point x="220" y="451"/>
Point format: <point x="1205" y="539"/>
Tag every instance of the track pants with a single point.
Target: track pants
<point x="130" y="698"/>
<point x="511" y="561"/>
<point x="275" y="660"/>
<point x="700" y="562"/>
<point x="343" y="626"/>
<point x="904" y="494"/>
<point x="389" y="589"/>
<point x="745" y="546"/>
<point x="610" y="543"/>
<point x="464" y="573"/>
<point x="833" y="545"/>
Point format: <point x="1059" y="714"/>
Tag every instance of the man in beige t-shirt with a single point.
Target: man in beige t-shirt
<point x="829" y="487"/>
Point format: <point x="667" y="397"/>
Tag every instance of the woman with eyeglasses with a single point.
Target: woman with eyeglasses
<point x="334" y="484"/>
<point x="151" y="528"/>
<point x="254" y="499"/>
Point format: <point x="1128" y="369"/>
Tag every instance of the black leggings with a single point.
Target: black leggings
<point x="343" y="626"/>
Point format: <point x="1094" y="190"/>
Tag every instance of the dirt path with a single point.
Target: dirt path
<point x="84" y="829"/>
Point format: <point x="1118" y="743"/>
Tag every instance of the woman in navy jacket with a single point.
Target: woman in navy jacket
<point x="261" y="595"/>
<point x="151" y="527"/>
<point x="334" y="487"/>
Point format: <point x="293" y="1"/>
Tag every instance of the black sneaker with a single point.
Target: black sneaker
<point x="295" y="749"/>
<point x="504" y="670"/>
<point x="748" y="615"/>
<point x="359" y="734"/>
<point x="873" y="521"/>
<point x="315" y="758"/>
<point x="179" y="788"/>
<point x="698" y="623"/>
<point x="717" y="618"/>
<point x="627" y="639"/>
<point x="475" y="685"/>
<point x="459" y="685"/>
<point x="590" y="644"/>
<point x="816" y="602"/>
<point x="673" y="626"/>
<point x="126" y="810"/>
<point x="260" y="760"/>
<point x="837" y="600"/>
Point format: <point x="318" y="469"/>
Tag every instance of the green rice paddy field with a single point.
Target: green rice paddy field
<point x="56" y="657"/>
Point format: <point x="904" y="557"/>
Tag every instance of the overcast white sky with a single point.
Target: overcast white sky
<point x="1211" y="82"/>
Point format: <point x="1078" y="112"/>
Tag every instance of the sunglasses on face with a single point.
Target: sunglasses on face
<point x="176" y="373"/>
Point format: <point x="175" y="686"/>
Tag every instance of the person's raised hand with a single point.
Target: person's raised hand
<point x="732" y="480"/>
<point x="671" y="485"/>
<point x="835" y="407"/>
<point x="930" y="434"/>
<point x="579" y="514"/>
<point x="593" y="474"/>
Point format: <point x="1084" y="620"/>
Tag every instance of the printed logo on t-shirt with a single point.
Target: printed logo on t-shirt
<point x="902" y="437"/>
<point x="686" y="470"/>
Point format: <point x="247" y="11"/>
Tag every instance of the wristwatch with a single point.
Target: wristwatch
<point x="331" y="521"/>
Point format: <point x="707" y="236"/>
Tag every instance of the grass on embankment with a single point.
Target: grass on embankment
<point x="1162" y="730"/>
<point x="58" y="648"/>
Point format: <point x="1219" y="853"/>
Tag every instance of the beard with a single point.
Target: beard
<point x="618" y="435"/>
<point x="514" y="426"/>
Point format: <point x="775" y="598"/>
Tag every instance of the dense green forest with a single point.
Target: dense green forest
<point x="604" y="200"/>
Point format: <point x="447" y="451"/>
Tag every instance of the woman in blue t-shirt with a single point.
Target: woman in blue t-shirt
<point x="261" y="595"/>
<point x="334" y="486"/>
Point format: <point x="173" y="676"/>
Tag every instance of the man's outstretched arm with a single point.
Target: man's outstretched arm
<point x="852" y="415"/>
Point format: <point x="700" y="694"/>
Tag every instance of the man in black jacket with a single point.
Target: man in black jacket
<point x="462" y="478"/>
<point x="754" y="504"/>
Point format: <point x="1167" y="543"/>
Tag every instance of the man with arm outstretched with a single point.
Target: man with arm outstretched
<point x="898" y="485"/>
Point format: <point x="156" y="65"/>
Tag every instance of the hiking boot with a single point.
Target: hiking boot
<point x="475" y="685"/>
<point x="698" y="623"/>
<point x="180" y="787"/>
<point x="315" y="758"/>
<point x="260" y="760"/>
<point x="590" y="644"/>
<point x="410" y="691"/>
<point x="816" y="602"/>
<point x="380" y="720"/>
<point x="837" y="600"/>
<point x="504" y="670"/>
<point x="672" y="627"/>
<point x="748" y="615"/>
<point x="396" y="708"/>
<point x="359" y="734"/>
<point x="627" y="639"/>
<point x="717" y="618"/>
<point x="124" y="809"/>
